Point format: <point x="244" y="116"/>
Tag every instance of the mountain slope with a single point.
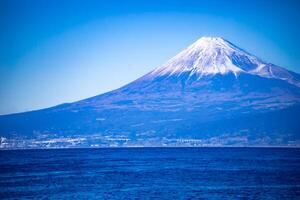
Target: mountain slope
<point x="212" y="93"/>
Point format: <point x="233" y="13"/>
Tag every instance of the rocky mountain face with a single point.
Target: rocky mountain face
<point x="210" y="94"/>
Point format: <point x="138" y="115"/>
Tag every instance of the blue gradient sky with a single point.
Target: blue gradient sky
<point x="58" y="51"/>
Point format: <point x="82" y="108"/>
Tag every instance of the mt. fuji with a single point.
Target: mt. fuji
<point x="211" y="94"/>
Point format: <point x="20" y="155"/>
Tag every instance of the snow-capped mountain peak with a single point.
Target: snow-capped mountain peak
<point x="209" y="56"/>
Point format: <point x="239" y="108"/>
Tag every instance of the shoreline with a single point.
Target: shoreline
<point x="150" y="147"/>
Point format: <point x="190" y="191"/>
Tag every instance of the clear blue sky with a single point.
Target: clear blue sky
<point x="56" y="51"/>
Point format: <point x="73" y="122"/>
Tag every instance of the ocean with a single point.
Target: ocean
<point x="151" y="173"/>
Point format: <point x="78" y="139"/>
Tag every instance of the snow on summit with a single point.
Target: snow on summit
<point x="214" y="55"/>
<point x="208" y="55"/>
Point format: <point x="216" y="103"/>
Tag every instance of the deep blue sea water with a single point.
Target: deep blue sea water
<point x="151" y="173"/>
